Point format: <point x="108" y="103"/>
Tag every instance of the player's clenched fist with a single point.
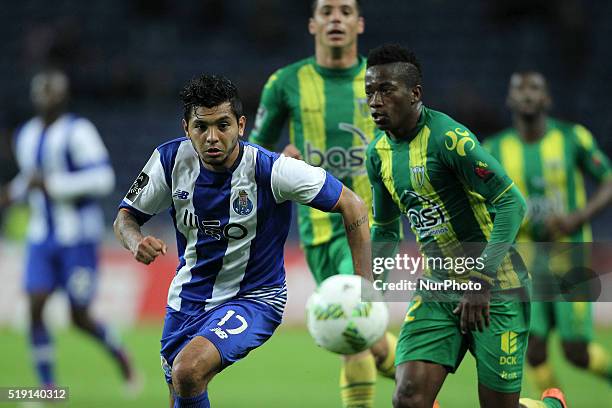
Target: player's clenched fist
<point x="148" y="249"/>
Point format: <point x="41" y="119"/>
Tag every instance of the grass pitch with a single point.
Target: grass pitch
<point x="288" y="371"/>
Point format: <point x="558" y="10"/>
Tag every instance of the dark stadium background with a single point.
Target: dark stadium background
<point x="128" y="60"/>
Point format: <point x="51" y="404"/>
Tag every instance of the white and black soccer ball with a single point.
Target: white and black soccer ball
<point x="344" y="320"/>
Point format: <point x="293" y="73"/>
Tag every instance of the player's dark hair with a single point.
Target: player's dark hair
<point x="410" y="67"/>
<point x="210" y="91"/>
<point x="313" y="6"/>
<point x="524" y="71"/>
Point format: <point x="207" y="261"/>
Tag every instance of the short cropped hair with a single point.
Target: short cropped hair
<point x="531" y="71"/>
<point x="313" y="6"/>
<point x="210" y="91"/>
<point x="395" y="53"/>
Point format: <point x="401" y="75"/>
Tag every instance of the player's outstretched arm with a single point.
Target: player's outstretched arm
<point x="144" y="248"/>
<point x="355" y="215"/>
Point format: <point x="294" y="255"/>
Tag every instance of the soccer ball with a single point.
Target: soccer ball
<point x="340" y="321"/>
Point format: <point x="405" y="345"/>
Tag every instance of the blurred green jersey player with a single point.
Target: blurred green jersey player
<point x="322" y="97"/>
<point x="323" y="100"/>
<point x="547" y="159"/>
<point x="433" y="169"/>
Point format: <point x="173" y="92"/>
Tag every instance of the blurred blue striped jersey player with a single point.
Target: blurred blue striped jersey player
<point x="63" y="168"/>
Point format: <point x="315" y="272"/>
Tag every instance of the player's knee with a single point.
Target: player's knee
<point x="37" y="304"/>
<point x="189" y="377"/>
<point x="36" y="316"/>
<point x="407" y="395"/>
<point x="576" y="353"/>
<point x="184" y="376"/>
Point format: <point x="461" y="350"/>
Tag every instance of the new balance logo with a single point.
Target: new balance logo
<point x="180" y="194"/>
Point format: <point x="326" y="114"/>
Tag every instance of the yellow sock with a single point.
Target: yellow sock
<point x="543" y="377"/>
<point x="357" y="379"/>
<point x="387" y="367"/>
<point x="599" y="361"/>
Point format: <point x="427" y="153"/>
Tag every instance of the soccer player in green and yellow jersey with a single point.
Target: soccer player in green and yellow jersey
<point x="433" y="169"/>
<point x="323" y="99"/>
<point x="547" y="158"/>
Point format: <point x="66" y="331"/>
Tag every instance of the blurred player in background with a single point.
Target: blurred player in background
<point x="433" y="169"/>
<point x="63" y="168"/>
<point x="322" y="97"/>
<point x="547" y="159"/>
<point x="230" y="204"/>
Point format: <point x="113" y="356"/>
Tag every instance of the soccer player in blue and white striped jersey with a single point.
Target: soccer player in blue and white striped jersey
<point x="63" y="169"/>
<point x="230" y="202"/>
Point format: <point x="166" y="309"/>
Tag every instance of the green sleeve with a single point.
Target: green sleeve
<point x="491" y="145"/>
<point x="385" y="227"/>
<point x="473" y="165"/>
<point x="590" y="158"/>
<point x="271" y="114"/>
<point x="480" y="172"/>
<point x="510" y="209"/>
<point x="487" y="144"/>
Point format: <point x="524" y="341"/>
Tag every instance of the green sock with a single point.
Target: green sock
<point x="545" y="403"/>
<point x="552" y="403"/>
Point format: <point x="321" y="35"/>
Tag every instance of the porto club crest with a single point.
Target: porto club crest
<point x="242" y="205"/>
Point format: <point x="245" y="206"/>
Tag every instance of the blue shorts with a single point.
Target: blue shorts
<point x="73" y="268"/>
<point x="235" y="328"/>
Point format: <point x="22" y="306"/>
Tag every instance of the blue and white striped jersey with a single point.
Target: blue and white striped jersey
<point x="230" y="226"/>
<point x="74" y="163"/>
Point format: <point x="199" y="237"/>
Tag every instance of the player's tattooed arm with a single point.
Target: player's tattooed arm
<point x="144" y="248"/>
<point x="353" y="226"/>
<point x="355" y="215"/>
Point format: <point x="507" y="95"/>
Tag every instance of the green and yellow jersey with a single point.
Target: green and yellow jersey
<point x="550" y="173"/>
<point x="329" y="123"/>
<point x="446" y="184"/>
